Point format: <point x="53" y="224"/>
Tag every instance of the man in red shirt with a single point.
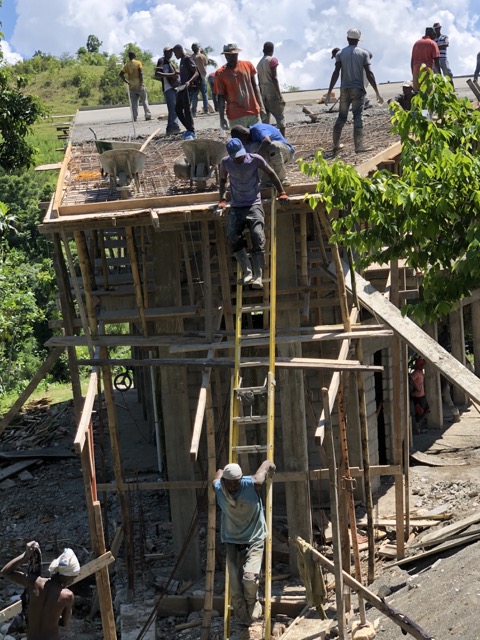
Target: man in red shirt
<point x="236" y="88"/>
<point x="425" y="52"/>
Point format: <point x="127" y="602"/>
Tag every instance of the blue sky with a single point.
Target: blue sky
<point x="304" y="31"/>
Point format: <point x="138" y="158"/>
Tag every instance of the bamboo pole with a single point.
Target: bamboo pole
<point x="132" y="251"/>
<point x="333" y="486"/>
<point x="211" y="527"/>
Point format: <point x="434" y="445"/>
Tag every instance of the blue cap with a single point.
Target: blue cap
<point x="235" y="148"/>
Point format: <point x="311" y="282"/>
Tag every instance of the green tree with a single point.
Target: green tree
<point x="429" y="215"/>
<point x="207" y="51"/>
<point x="93" y="44"/>
<point x="112" y="89"/>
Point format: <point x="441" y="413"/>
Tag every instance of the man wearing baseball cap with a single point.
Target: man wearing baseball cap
<point x="246" y="207"/>
<point x="237" y="90"/>
<point x="354" y="63"/>
<point x="243" y="530"/>
<point x="168" y="76"/>
<point x="404" y="99"/>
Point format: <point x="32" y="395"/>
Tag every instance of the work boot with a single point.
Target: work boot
<point x="336" y="140"/>
<point x="358" y="140"/>
<point x="244" y="262"/>
<point x="148" y="116"/>
<point x="255" y="610"/>
<point x="258" y="262"/>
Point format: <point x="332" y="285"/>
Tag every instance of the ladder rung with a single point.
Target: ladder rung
<point x="252" y="448"/>
<point x="250" y="419"/>
<point x="251" y="308"/>
<point x="256" y="391"/>
<point x="253" y="363"/>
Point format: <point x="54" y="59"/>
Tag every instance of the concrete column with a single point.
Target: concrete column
<point x="432" y="384"/>
<point x="173" y="402"/>
<point x="292" y="398"/>
<point x="457" y="340"/>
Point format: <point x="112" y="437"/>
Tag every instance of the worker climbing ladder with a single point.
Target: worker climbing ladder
<point x="242" y="401"/>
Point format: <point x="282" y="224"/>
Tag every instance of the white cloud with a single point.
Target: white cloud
<point x="9" y="56"/>
<point x="304" y="31"/>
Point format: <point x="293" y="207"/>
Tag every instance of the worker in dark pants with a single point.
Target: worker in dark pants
<point x="243" y="530"/>
<point x="246" y="207"/>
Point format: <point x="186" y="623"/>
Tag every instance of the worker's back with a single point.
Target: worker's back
<point x="50" y="606"/>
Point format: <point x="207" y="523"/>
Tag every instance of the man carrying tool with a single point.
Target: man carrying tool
<point x="243" y="530"/>
<point x="268" y="142"/>
<point x="353" y="62"/>
<point x="246" y="207"/>
<point x="132" y="75"/>
<point x="50" y="602"/>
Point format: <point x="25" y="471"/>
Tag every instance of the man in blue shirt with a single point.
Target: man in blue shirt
<point x="243" y="530"/>
<point x="268" y="142"/>
<point x="354" y="63"/>
<point x="246" y="207"/>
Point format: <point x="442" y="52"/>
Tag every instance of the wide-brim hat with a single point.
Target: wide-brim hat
<point x="437" y="25"/>
<point x="231" y="47"/>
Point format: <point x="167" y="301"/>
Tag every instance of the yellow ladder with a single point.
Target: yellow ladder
<point x="237" y="421"/>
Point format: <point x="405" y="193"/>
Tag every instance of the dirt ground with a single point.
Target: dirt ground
<point x="45" y="502"/>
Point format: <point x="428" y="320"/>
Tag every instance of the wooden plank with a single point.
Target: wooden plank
<point x="453" y="528"/>
<point x="387" y="154"/>
<point x="30" y="388"/>
<point x="420" y="342"/>
<point x="49" y="167"/>
<point x="436" y="461"/>
<point x="437" y="550"/>
<point x="280" y="362"/>
<point x="260" y="342"/>
<point x="15" y="468"/>
<point x="57" y="198"/>
<point x="47" y="452"/>
<point x="86" y="418"/>
<point x="280" y="477"/>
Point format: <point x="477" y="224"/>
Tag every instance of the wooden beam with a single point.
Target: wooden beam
<point x="420" y="342"/>
<point x="86" y="417"/>
<point x="260" y="342"/>
<point x="280" y="477"/>
<point x="30" y="388"/>
<point x="280" y="362"/>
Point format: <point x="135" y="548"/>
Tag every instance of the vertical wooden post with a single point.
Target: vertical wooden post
<point x="132" y="251"/>
<point x="475" y="308"/>
<point x="433" y="389"/>
<point x="89" y="283"/>
<point x="397" y="417"/>
<point x="207" y="282"/>
<point x="457" y="341"/>
<point x="211" y="527"/>
<point x="117" y="469"/>
<point x="332" y="474"/>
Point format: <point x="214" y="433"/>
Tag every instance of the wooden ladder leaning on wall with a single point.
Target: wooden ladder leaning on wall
<point x="246" y="395"/>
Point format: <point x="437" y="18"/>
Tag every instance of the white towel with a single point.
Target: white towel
<point x="66" y="565"/>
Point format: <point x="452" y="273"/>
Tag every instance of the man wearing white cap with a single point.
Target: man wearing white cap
<point x="50" y="602"/>
<point x="354" y="63"/>
<point x="243" y="531"/>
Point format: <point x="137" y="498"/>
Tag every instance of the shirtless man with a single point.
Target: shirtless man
<point x="50" y="602"/>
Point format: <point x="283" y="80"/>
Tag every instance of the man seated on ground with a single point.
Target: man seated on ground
<point x="243" y="531"/>
<point x="268" y="142"/>
<point x="404" y="99"/>
<point x="246" y="207"/>
<point x="50" y="602"/>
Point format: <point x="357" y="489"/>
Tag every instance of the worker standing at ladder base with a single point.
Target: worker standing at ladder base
<point x="243" y="530"/>
<point x="246" y="207"/>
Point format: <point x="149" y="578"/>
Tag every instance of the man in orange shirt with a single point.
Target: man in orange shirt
<point x="236" y="88"/>
<point x="425" y="52"/>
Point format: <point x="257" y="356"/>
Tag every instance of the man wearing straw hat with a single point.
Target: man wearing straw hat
<point x="49" y="601"/>
<point x="236" y="88"/>
<point x="243" y="530"/>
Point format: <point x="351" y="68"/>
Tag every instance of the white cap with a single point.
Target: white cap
<point x="232" y="472"/>
<point x="66" y="565"/>
<point x="354" y="34"/>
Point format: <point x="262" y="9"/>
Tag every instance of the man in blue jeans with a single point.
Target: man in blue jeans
<point x="246" y="207"/>
<point x="168" y="75"/>
<point x="188" y="84"/>
<point x="353" y="62"/>
<point x="243" y="530"/>
<point x="201" y="61"/>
